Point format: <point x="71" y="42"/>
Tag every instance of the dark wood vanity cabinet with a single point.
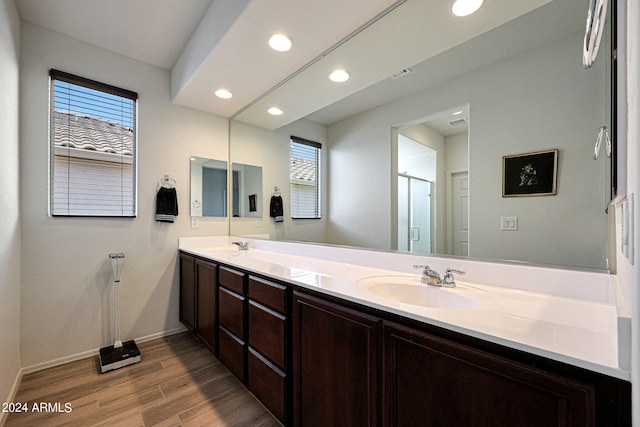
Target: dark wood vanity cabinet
<point x="316" y="360"/>
<point x="206" y="303"/>
<point x="187" y="314"/>
<point x="198" y="295"/>
<point x="232" y="330"/>
<point x="335" y="364"/>
<point x="268" y="349"/>
<point x="430" y="381"/>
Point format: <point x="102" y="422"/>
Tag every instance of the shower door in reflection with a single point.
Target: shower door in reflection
<point x="414" y="214"/>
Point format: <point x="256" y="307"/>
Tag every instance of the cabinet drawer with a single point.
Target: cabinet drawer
<point x="232" y="279"/>
<point x="267" y="331"/>
<point x="268" y="384"/>
<point x="267" y="293"/>
<point x="231" y="352"/>
<point x="231" y="311"/>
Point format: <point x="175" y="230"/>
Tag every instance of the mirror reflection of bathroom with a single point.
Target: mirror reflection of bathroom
<point x="208" y="187"/>
<point x="246" y="193"/>
<point x="433" y="180"/>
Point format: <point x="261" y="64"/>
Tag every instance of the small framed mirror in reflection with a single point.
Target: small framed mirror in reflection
<point x="208" y="187"/>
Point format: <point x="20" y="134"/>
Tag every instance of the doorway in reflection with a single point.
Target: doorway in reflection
<point x="433" y="184"/>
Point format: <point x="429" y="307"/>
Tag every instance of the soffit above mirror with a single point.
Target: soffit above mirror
<point x="229" y="48"/>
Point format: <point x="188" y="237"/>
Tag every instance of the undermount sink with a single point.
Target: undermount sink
<point x="409" y="290"/>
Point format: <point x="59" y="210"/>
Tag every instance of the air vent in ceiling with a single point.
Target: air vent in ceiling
<point x="457" y="122"/>
<point x="401" y="73"/>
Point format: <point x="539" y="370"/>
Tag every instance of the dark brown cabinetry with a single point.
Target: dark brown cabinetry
<point x="335" y="364"/>
<point x="187" y="313"/>
<point x="430" y="381"/>
<point x="318" y="360"/>
<point x="198" y="295"/>
<point x="206" y="298"/>
<point x="268" y="350"/>
<point x="231" y="310"/>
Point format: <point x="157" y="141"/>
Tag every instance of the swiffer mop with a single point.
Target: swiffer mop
<point x="119" y="354"/>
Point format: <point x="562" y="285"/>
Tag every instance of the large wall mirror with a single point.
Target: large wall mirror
<point x="415" y="162"/>
<point x="208" y="187"/>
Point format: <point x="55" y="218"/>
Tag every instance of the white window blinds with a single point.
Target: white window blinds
<point x="92" y="148"/>
<point x="304" y="178"/>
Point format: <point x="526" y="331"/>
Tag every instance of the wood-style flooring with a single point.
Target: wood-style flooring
<point x="177" y="383"/>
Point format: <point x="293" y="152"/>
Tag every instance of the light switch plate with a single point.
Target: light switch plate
<point x="509" y="223"/>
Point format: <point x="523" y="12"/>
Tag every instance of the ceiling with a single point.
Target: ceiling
<point x="208" y="45"/>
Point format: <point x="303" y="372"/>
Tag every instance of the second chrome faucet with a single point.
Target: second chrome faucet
<point x="431" y="277"/>
<point x="244" y="246"/>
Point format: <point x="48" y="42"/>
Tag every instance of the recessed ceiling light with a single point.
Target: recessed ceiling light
<point x="275" y="111"/>
<point x="339" y="76"/>
<point x="465" y="7"/>
<point x="280" y="42"/>
<point x="223" y="93"/>
<point x="457" y="113"/>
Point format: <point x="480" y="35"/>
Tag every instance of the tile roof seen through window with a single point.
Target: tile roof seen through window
<point x="301" y="169"/>
<point x="92" y="134"/>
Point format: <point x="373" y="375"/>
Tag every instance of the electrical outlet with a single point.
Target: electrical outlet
<point x="258" y="222"/>
<point x="509" y="223"/>
<point x="195" y="222"/>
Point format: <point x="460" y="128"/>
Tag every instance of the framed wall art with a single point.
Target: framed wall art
<point x="530" y="174"/>
<point x="252" y="202"/>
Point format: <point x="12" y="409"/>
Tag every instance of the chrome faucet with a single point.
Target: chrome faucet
<point x="431" y="277"/>
<point x="244" y="246"/>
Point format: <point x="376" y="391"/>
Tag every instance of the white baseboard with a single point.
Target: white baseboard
<point x="94" y="352"/>
<point x="50" y="364"/>
<point x="12" y="394"/>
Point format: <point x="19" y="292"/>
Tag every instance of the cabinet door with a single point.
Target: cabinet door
<point x="188" y="291"/>
<point x="335" y="364"/>
<point x="429" y="381"/>
<point x="207" y="275"/>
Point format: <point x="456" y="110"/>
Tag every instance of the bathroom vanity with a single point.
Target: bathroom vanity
<point x="336" y="336"/>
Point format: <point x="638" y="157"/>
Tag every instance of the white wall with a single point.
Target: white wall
<point x="502" y="96"/>
<point x="457" y="152"/>
<point x="270" y="149"/>
<point x="10" y="202"/>
<point x="66" y="276"/>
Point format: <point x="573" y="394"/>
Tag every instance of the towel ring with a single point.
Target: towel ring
<point x="167" y="182"/>
<point x="596" y="16"/>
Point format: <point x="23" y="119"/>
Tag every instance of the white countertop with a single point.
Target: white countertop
<point x="571" y="316"/>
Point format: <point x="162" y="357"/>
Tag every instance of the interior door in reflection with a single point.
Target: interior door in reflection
<point x="461" y="214"/>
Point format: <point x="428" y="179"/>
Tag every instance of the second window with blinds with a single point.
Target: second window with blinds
<point x="92" y="148"/>
<point x="304" y="178"/>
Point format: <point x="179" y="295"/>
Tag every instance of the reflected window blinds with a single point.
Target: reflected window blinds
<point x="304" y="178"/>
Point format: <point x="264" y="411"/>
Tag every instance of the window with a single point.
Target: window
<point x="304" y="178"/>
<point x="92" y="148"/>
